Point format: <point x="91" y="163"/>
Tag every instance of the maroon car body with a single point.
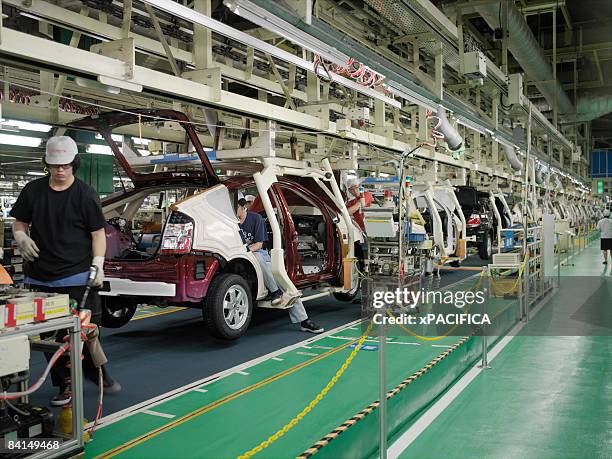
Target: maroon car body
<point x="165" y="276"/>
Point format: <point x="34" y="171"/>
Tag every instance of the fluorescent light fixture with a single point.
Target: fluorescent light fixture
<point x="27" y="126"/>
<point x="188" y="14"/>
<point x="263" y="18"/>
<point x="412" y="96"/>
<point x="35" y="173"/>
<point x="99" y="149"/>
<point x="144" y="152"/>
<point x="139" y="141"/>
<point x="115" y="137"/>
<point x="23" y="141"/>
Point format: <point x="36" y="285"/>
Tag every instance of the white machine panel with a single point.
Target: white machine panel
<point x="380" y="223"/>
<point x="14" y="354"/>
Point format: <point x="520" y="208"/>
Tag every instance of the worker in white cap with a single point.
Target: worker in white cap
<point x="605" y="228"/>
<point x="357" y="200"/>
<point x="250" y="199"/>
<point x="59" y="230"/>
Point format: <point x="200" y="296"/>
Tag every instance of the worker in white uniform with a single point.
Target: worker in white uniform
<point x="605" y="228"/>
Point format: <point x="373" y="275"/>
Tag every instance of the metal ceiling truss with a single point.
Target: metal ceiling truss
<point x="113" y="71"/>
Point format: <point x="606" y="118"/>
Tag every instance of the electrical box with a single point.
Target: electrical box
<point x="474" y="64"/>
<point x="359" y="113"/>
<point x="14" y="354"/>
<point x="515" y="88"/>
<point x="343" y="126"/>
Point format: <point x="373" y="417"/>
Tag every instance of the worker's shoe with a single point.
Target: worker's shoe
<point x="63" y="398"/>
<point x="110" y="385"/>
<point x="276" y="298"/>
<point x="309" y="326"/>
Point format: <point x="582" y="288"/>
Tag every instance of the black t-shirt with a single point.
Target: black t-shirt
<point x="61" y="225"/>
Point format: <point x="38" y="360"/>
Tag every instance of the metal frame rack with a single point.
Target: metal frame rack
<point x="74" y="444"/>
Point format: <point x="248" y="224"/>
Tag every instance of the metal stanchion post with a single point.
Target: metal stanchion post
<point x="382" y="392"/>
<point x="484" y="365"/>
<point x="558" y="260"/>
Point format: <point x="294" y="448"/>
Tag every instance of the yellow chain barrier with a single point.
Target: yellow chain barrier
<point x="263" y="445"/>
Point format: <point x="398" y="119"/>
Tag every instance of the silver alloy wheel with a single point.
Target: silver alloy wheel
<point x="235" y="307"/>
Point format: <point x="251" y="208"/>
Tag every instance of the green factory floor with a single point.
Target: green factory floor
<point x="231" y="415"/>
<point x="545" y="396"/>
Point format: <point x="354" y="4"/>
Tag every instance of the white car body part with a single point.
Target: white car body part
<point x="217" y="229"/>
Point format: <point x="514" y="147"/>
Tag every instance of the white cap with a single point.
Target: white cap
<point x="606" y="213"/>
<point x="249" y="198"/>
<point x="60" y="150"/>
<point x="350" y="183"/>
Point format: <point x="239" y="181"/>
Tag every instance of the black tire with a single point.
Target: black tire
<point x="213" y="311"/>
<point x="455" y="264"/>
<point x="485" y="249"/>
<point x="117" y="311"/>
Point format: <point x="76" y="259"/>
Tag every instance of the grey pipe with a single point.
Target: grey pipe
<point x="513" y="158"/>
<point x="527" y="51"/>
<point x="451" y="136"/>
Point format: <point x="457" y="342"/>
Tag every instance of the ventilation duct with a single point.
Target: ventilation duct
<point x="593" y="106"/>
<point x="451" y="136"/>
<point x="512" y="157"/>
<point x="526" y="50"/>
<point x="539" y="176"/>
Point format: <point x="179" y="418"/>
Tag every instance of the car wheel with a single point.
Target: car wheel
<point x="228" y="306"/>
<point x="485" y="249"/>
<point x="117" y="311"/>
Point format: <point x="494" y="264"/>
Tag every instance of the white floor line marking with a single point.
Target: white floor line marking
<point x="440" y="345"/>
<point x="329" y="348"/>
<point x="158" y="414"/>
<point x="401" y="342"/>
<point x="154" y="401"/>
<point x="307" y="347"/>
<point x="201" y="390"/>
<point x="346" y="338"/>
<point x="406" y="439"/>
<point x="307" y="353"/>
<point x="243" y="373"/>
<point x="278" y="359"/>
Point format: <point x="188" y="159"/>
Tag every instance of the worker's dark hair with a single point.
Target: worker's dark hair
<point x="76" y="163"/>
<point x="243" y="202"/>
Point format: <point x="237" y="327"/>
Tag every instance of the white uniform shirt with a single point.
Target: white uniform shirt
<point x="605" y="226"/>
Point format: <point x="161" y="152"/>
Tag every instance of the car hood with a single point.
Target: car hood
<point x="106" y="122"/>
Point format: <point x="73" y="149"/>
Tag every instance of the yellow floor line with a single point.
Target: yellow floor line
<point x="159" y="313"/>
<point x="147" y="436"/>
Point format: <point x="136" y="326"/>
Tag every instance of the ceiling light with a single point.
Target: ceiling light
<point x="115" y="137"/>
<point x="99" y="149"/>
<point x="8" y="139"/>
<point x="144" y="152"/>
<point x="35" y="173"/>
<point x="27" y="126"/>
<point x="139" y="141"/>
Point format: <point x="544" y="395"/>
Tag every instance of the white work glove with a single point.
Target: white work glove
<point x="27" y="247"/>
<point x="98" y="262"/>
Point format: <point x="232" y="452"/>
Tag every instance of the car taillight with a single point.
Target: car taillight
<point x="474" y="220"/>
<point x="178" y="234"/>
